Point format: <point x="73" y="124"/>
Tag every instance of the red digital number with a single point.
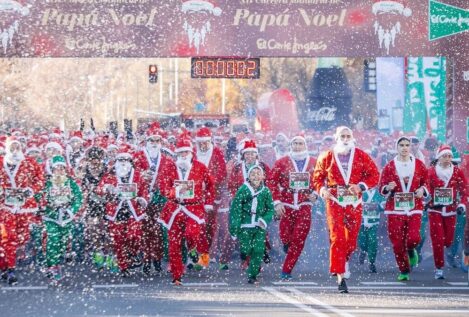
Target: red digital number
<point x="241" y="68"/>
<point x="251" y="68"/>
<point x="221" y="69"/>
<point x="210" y="69"/>
<point x="230" y="68"/>
<point x="199" y="68"/>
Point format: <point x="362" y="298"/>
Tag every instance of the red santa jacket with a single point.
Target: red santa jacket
<point x="417" y="180"/>
<point x="279" y="182"/>
<point x="239" y="175"/>
<point x="28" y="174"/>
<point x="457" y="182"/>
<point x="204" y="193"/>
<point x="217" y="169"/>
<point x="113" y="205"/>
<point x="329" y="173"/>
<point x="165" y="170"/>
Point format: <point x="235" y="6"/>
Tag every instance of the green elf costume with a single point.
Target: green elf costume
<point x="368" y="236"/>
<point x="251" y="211"/>
<point x="61" y="199"/>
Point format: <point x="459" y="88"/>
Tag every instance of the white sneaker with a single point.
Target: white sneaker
<point x="439" y="275"/>
<point x="347" y="271"/>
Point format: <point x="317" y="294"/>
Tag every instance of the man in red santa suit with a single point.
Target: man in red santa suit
<point x="20" y="178"/>
<point x="404" y="184"/>
<point x="127" y="198"/>
<point x="190" y="196"/>
<point x="340" y="176"/>
<point x="446" y="183"/>
<point x="212" y="157"/>
<point x="293" y="195"/>
<point x="158" y="170"/>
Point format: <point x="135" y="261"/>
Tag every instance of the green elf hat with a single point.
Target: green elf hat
<point x="58" y="160"/>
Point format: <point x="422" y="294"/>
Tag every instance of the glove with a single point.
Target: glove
<point x="460" y="210"/>
<point x="27" y="193"/>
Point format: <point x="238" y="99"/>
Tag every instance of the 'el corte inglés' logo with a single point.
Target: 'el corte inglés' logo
<point x="197" y="16"/>
<point x="11" y="13"/>
<point x="445" y="20"/>
<point x="387" y="25"/>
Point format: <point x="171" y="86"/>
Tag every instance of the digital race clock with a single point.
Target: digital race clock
<point x="225" y="67"/>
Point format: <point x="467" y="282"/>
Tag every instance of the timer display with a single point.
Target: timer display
<point x="225" y="67"/>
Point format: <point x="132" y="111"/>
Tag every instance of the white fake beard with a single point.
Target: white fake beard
<point x="204" y="157"/>
<point x="153" y="150"/>
<point x="299" y="155"/>
<point x="197" y="36"/>
<point x="184" y="162"/>
<point x="14" y="158"/>
<point x="343" y="148"/>
<point x="123" y="169"/>
<point x="443" y="173"/>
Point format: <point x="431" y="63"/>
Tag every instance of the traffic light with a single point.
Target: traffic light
<point x="153" y="74"/>
<point x="370" y="75"/>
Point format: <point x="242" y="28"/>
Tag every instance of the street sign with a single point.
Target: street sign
<point x="446" y="20"/>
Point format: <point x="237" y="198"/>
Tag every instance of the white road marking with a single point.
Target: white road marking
<point x="459" y="283"/>
<point x="424" y="288"/>
<point x="287" y="283"/>
<point x="23" y="288"/>
<point x="316" y="301"/>
<point x="382" y="283"/>
<point x="294" y="302"/>
<point x="398" y="311"/>
<point x="114" y="285"/>
<point x="205" y="284"/>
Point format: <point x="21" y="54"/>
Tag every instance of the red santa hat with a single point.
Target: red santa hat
<point x="391" y="6"/>
<point x="249" y="146"/>
<point x="154" y="131"/>
<point x="9" y="142"/>
<point x="54" y="145"/>
<point x="201" y="6"/>
<point x="203" y="134"/>
<point x="299" y="136"/>
<point x="55" y="133"/>
<point x="444" y="149"/>
<point x="76" y="135"/>
<point x="339" y="130"/>
<point x="124" y="152"/>
<point x="33" y="146"/>
<point x="183" y="144"/>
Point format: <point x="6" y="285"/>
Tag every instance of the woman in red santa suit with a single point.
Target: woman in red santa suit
<point x="446" y="183"/>
<point x="127" y="197"/>
<point x="404" y="184"/>
<point x="293" y="195"/>
<point x="20" y="178"/>
<point x="190" y="196"/>
<point x="340" y="176"/>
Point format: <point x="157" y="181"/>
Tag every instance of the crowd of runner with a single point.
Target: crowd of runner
<point x="126" y="203"/>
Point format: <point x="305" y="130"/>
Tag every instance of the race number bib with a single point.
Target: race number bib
<point x="60" y="195"/>
<point x="345" y="196"/>
<point x="443" y="196"/>
<point x="370" y="210"/>
<point x="14" y="197"/>
<point x="299" y="181"/>
<point x="189" y="192"/>
<point x="404" y="201"/>
<point x="127" y="191"/>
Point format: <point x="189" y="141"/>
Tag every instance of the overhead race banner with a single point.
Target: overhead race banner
<point x="253" y="28"/>
<point x="446" y="20"/>
<point x="425" y="109"/>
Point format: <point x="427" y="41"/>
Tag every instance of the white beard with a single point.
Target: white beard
<point x="342" y="148"/>
<point x="14" y="158"/>
<point x="123" y="169"/>
<point x="299" y="155"/>
<point x="197" y="36"/>
<point x="153" y="151"/>
<point x="184" y="163"/>
<point x="444" y="173"/>
<point x="205" y="157"/>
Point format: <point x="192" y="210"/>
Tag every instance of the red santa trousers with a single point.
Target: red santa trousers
<point x="152" y="236"/>
<point x="442" y="234"/>
<point x="186" y="228"/>
<point x="294" y="229"/>
<point x="208" y="233"/>
<point x="126" y="238"/>
<point x="404" y="233"/>
<point x="344" y="226"/>
<point x="22" y="228"/>
<point x="8" y="240"/>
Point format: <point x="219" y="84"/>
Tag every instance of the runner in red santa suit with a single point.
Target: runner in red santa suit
<point x="448" y="186"/>
<point x="127" y="198"/>
<point x="191" y="195"/>
<point x="403" y="182"/>
<point x="340" y="176"/>
<point x="293" y="195"/>
<point x="158" y="170"/>
<point x="20" y="178"/>
<point x="212" y="157"/>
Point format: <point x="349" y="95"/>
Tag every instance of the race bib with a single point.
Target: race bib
<point x="443" y="196"/>
<point x="370" y="210"/>
<point x="14" y="197"/>
<point x="60" y="195"/>
<point x="345" y="196"/>
<point x="188" y="193"/>
<point x="404" y="201"/>
<point x="299" y="181"/>
<point x="127" y="191"/>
